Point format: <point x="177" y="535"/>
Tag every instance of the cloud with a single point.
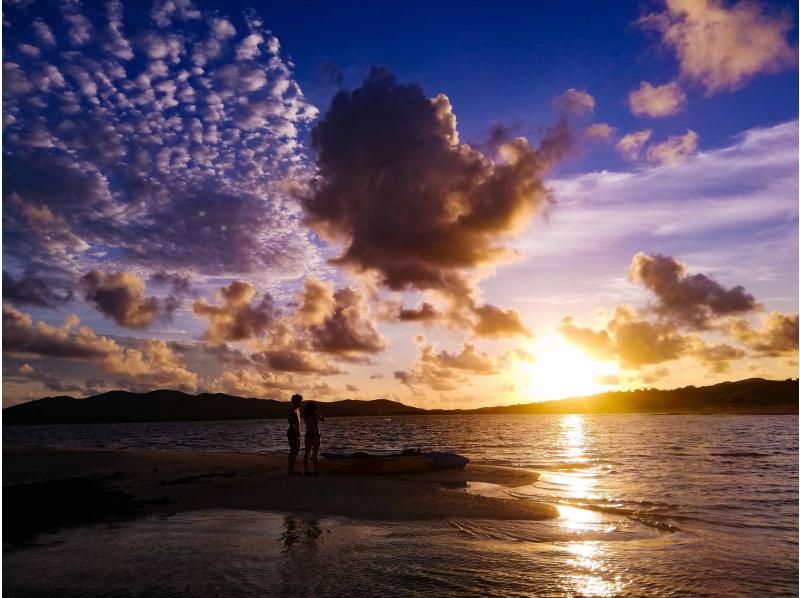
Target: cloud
<point x="164" y="11"/>
<point x="411" y="204"/>
<point x="179" y="282"/>
<point x="424" y="313"/>
<point x="224" y="353"/>
<point x="316" y="301"/>
<point x="599" y="132"/>
<point x="116" y="43"/>
<point x="251" y="383"/>
<point x="683" y="301"/>
<point x="722" y="47"/>
<point x="692" y="300"/>
<point x="716" y="358"/>
<point x="444" y="371"/>
<point x="495" y="322"/>
<point x="630" y="146"/>
<point x="158" y="163"/>
<point x="48" y="380"/>
<point x="654" y="375"/>
<point x="639" y="342"/>
<point x="79" y="29"/>
<point x="43" y="33"/>
<point x="236" y="318"/>
<point x="295" y="361"/>
<point x="21" y="336"/>
<point x="674" y="150"/>
<point x="749" y="183"/>
<point x="31" y="289"/>
<point x="151" y="364"/>
<point x="656" y="102"/>
<point x="575" y="101"/>
<point x="777" y="336"/>
<point x="632" y="341"/>
<point x="596" y="343"/>
<point x="120" y="296"/>
<point x="350" y="330"/>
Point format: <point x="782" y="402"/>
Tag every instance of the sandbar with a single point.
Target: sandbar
<point x="84" y="486"/>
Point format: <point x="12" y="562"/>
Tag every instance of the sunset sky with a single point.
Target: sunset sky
<point x="448" y="204"/>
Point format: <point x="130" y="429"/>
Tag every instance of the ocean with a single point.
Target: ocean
<point x="650" y="505"/>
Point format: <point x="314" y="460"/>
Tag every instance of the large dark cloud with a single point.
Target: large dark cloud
<point x="120" y="296"/>
<point x="408" y="201"/>
<point x="693" y="300"/>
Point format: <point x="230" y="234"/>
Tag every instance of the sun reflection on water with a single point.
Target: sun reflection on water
<point x="588" y="562"/>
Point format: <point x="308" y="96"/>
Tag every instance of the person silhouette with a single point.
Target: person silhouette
<point x="312" y="415"/>
<point x="293" y="433"/>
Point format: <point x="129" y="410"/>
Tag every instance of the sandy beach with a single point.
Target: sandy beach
<point x="80" y="487"/>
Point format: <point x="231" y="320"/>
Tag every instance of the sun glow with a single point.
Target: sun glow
<point x="560" y="370"/>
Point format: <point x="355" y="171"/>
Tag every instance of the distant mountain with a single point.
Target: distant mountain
<point x="173" y="405"/>
<point x="754" y="395"/>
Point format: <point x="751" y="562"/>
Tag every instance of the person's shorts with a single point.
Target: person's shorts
<point x="294" y="440"/>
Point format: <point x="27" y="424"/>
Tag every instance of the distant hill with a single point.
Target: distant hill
<point x="173" y="405"/>
<point x="754" y="395"/>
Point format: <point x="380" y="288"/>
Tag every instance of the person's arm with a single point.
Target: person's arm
<point x="319" y="414"/>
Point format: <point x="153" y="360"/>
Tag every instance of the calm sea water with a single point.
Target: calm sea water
<point x="649" y="505"/>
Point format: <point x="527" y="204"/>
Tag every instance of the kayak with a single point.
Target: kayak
<point x="365" y="464"/>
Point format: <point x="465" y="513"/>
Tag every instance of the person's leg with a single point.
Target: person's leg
<point x="306" y="450"/>
<point x="315" y="454"/>
<point x="294" y="448"/>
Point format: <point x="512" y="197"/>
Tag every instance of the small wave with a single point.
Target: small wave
<point x="529" y="531"/>
<point x="740" y="454"/>
<point x="648" y="513"/>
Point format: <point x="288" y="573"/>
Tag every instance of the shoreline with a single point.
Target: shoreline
<point x="766" y="412"/>
<point x="51" y="488"/>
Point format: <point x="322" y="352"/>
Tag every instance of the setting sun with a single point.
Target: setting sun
<point x="561" y="370"/>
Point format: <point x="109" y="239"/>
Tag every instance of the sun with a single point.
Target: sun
<point x="560" y="370"/>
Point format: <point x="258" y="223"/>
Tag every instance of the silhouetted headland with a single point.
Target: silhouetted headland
<point x="754" y="395"/>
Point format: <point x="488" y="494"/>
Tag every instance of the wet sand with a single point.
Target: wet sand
<point x="80" y="487"/>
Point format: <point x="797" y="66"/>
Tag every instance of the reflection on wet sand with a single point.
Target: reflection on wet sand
<point x="300" y="533"/>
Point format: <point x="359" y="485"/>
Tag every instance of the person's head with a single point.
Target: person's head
<point x="296" y="400"/>
<point x="309" y="409"/>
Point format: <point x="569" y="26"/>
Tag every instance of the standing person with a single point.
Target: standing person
<point x="312" y="416"/>
<point x="293" y="433"/>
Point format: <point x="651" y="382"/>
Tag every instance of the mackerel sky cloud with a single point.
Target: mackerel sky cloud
<point x="216" y="198"/>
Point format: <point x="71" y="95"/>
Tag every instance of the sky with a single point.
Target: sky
<point x="445" y="204"/>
